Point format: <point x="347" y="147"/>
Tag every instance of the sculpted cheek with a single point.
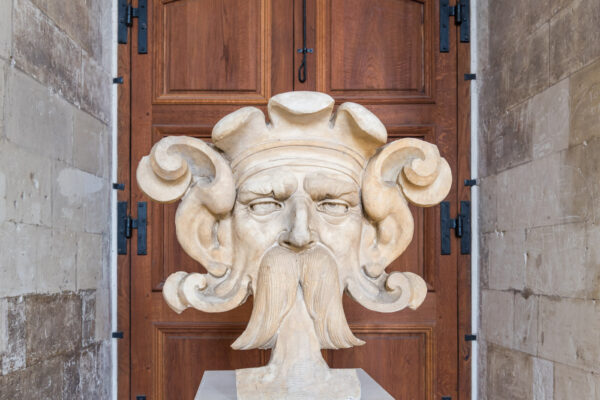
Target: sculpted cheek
<point x="343" y="238"/>
<point x="256" y="233"/>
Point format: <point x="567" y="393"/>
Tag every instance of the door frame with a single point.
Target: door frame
<point x="124" y="176"/>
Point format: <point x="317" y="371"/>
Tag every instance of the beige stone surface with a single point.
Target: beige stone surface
<point x="5" y="28"/>
<point x="90" y="144"/>
<point x="510" y="374"/>
<point x="543" y="379"/>
<point x="26" y="179"/>
<point x="54" y="191"/>
<point x="497" y="321"/>
<point x="295" y="213"/>
<point x="575" y="383"/>
<point x="549" y="113"/>
<point x="574" y="38"/>
<point x="37" y="119"/>
<point x="585" y="104"/>
<point x="526" y="322"/>
<point x="44" y="51"/>
<point x="89" y="260"/>
<point x="557" y="261"/>
<point x="507" y="260"/>
<point x="569" y="332"/>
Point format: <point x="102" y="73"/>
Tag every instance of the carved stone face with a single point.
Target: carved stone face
<point x="298" y="210"/>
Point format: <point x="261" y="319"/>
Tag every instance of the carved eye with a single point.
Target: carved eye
<point x="336" y="208"/>
<point x="264" y="207"/>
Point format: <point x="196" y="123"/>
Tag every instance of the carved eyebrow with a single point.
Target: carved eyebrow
<point x="277" y="187"/>
<point x="322" y="187"/>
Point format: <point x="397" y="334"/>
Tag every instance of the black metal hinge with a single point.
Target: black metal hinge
<point x="126" y="15"/>
<point x="126" y="225"/>
<point x="117" y="335"/>
<point x="461" y="226"/>
<point x="460" y="12"/>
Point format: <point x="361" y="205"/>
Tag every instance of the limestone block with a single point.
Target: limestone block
<point x="497" y="317"/>
<point x="570" y="332"/>
<point x="580" y="181"/>
<point x="510" y="141"/>
<point x="12" y="335"/>
<point x="42" y="50"/>
<point x="488" y="215"/>
<point x="548" y="112"/>
<point x="5" y="28"/>
<point x="528" y="65"/>
<point x="57" y="266"/>
<point x="95" y="93"/>
<point x="510" y="374"/>
<point x="80" y="200"/>
<point x="88" y="317"/>
<point x="543" y="379"/>
<point x="507" y="260"/>
<point x="3" y="73"/>
<point x="585" y="104"/>
<point x="37" y="119"/>
<point x="102" y="317"/>
<point x="526" y="322"/>
<point x="558" y="185"/>
<point x="574" y="38"/>
<point x="40" y="381"/>
<point x="90" y="144"/>
<point x="20" y="257"/>
<point x="89" y="260"/>
<point x="557" y="261"/>
<point x="74" y="20"/>
<point x="574" y="383"/>
<point x="60" y="334"/>
<point x="25" y="186"/>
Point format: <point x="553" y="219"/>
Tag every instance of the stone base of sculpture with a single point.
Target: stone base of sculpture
<point x="258" y="384"/>
<point x="221" y="385"/>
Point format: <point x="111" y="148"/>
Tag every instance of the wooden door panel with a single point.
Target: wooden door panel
<point x="376" y="50"/>
<point x="206" y="347"/>
<point x="206" y="59"/>
<point x="212" y="51"/>
<point x="407" y="368"/>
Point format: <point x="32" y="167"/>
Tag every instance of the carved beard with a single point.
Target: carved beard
<point x="279" y="274"/>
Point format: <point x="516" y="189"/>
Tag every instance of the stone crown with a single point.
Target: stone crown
<point x="303" y="130"/>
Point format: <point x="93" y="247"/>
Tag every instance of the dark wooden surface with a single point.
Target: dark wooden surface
<point x="209" y="58"/>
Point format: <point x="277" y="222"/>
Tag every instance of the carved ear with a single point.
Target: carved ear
<point x="406" y="170"/>
<point x="180" y="166"/>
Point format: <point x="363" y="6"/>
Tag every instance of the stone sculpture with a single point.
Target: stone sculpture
<point x="295" y="212"/>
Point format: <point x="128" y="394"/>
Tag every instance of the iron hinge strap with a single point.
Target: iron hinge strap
<point x="126" y="15"/>
<point x="461" y="226"/>
<point x="126" y="225"/>
<point x="461" y="13"/>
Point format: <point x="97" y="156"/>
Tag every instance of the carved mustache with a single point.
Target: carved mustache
<point x="279" y="274"/>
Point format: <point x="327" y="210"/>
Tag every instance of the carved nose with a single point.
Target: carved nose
<point x="298" y="236"/>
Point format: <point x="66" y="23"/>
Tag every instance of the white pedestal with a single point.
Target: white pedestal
<point x="220" y="385"/>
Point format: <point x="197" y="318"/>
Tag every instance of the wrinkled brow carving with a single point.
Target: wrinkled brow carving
<point x="323" y="187"/>
<point x="277" y="185"/>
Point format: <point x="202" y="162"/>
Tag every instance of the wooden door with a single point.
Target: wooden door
<point x="207" y="58"/>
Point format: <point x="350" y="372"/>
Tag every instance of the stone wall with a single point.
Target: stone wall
<point x="540" y="206"/>
<point x="55" y="58"/>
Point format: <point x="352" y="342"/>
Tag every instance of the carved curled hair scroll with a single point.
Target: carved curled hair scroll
<point x="188" y="168"/>
<point x="406" y="170"/>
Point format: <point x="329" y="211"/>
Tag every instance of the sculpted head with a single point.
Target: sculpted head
<point x="312" y="202"/>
